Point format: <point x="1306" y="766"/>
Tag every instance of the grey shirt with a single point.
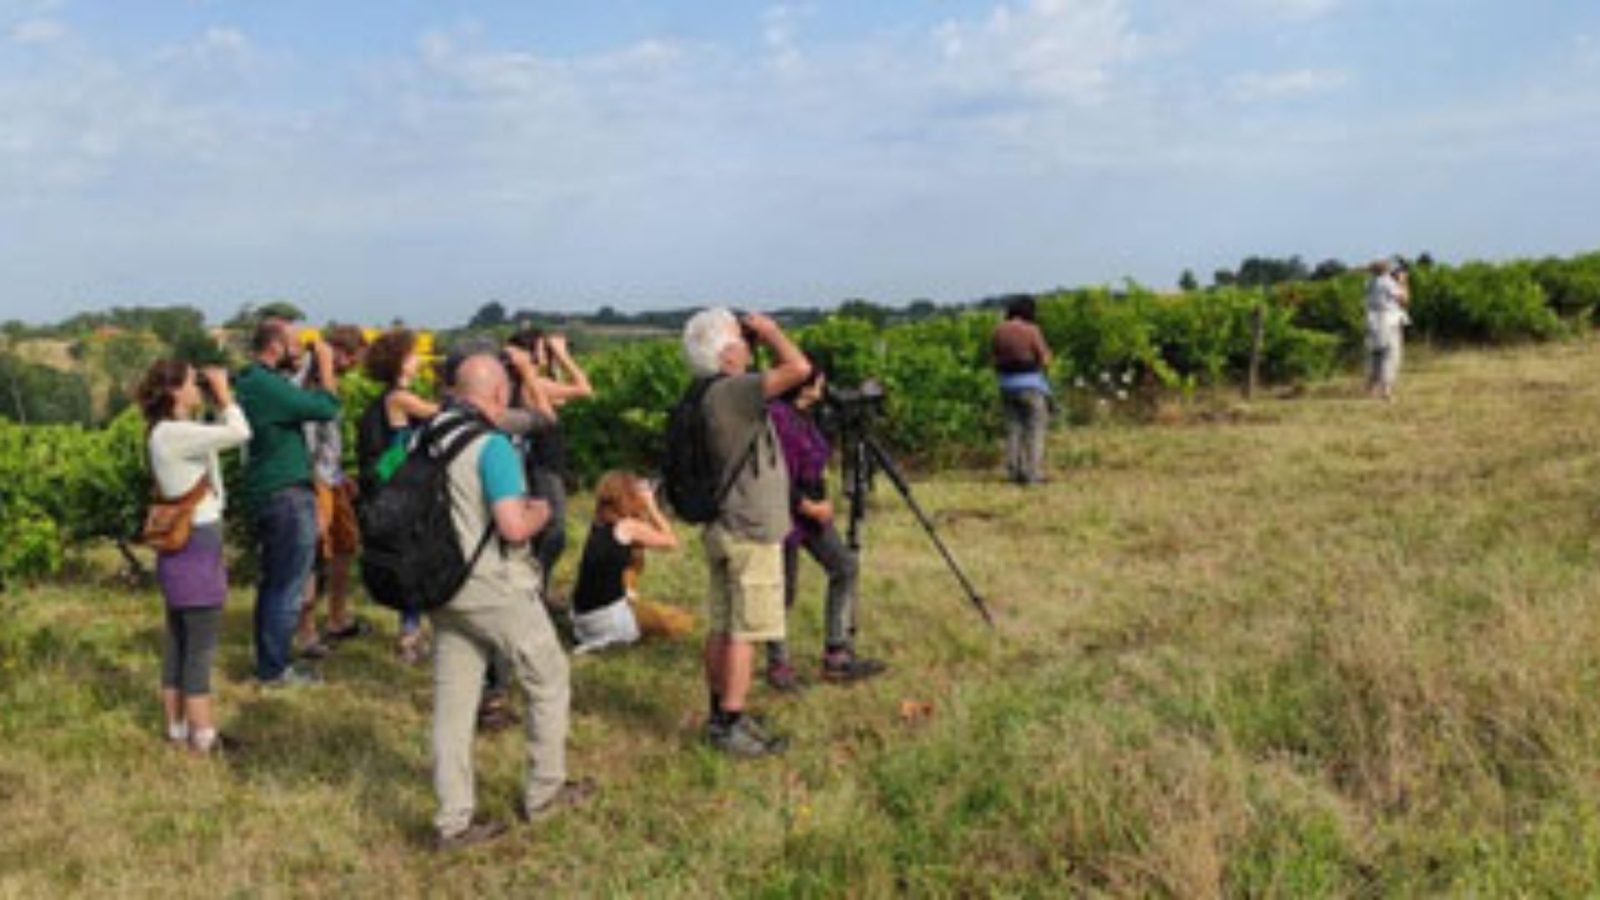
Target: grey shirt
<point x="757" y="505"/>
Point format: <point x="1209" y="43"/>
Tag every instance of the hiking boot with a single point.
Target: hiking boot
<point x="479" y="832"/>
<point x="744" y="739"/>
<point x="782" y="678"/>
<point x="843" y="667"/>
<point x="570" y="795"/>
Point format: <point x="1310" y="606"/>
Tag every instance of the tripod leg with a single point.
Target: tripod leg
<point x="887" y="464"/>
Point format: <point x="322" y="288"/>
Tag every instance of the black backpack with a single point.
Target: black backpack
<point x="411" y="558"/>
<point x="693" y="483"/>
<point x="373" y="437"/>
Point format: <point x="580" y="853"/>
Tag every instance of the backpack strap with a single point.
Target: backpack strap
<point x="466" y="427"/>
<point x="704" y="387"/>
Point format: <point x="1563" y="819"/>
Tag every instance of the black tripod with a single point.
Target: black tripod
<point x="863" y="456"/>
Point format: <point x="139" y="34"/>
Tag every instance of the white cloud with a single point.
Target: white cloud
<point x="1255" y="87"/>
<point x="38" y="31"/>
<point x="1051" y="48"/>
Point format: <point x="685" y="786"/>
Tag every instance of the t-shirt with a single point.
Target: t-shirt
<point x="500" y="469"/>
<point x="1019" y="347"/>
<point x="757" y="504"/>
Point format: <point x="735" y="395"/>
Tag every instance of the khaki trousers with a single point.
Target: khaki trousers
<point x="468" y="634"/>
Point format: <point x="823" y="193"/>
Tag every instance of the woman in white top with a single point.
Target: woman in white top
<point x="183" y="453"/>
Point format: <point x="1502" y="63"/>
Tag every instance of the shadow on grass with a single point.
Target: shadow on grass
<point x="297" y="739"/>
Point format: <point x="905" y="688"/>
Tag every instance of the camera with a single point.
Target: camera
<point x="853" y="408"/>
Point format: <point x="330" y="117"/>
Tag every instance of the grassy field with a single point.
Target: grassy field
<point x="1316" y="646"/>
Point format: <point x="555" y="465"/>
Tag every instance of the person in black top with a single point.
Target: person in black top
<point x="559" y="379"/>
<point x="606" y="609"/>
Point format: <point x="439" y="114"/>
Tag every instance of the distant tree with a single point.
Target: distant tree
<point x="489" y="315"/>
<point x="865" y="310"/>
<point x="608" y="315"/>
<point x="1328" y="269"/>
<point x="1265" y="271"/>
<point x="279" y="309"/>
<point x="1187" y="282"/>
<point x="1224" y="278"/>
<point x="1425" y="260"/>
<point x="921" y="308"/>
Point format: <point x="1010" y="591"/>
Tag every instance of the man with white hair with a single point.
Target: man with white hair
<point x="491" y="616"/>
<point x="744" y="544"/>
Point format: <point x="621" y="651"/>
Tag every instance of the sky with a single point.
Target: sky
<point x="415" y="159"/>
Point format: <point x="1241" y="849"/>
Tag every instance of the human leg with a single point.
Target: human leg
<point x="286" y="530"/>
<point x="458" y="665"/>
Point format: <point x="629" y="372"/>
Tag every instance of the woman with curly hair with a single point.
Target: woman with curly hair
<point x="386" y="427"/>
<point x="194" y="582"/>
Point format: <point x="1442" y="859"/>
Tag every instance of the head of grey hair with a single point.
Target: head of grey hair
<point x="706" y="334"/>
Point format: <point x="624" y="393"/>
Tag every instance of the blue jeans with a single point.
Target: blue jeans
<point x="286" y="533"/>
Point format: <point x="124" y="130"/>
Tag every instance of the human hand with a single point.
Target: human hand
<point x="214" y="380"/>
<point x="821" y="512"/>
<point x="518" y="357"/>
<point x="557" y="344"/>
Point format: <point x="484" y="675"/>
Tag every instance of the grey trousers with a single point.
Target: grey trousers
<point x="1027" y="420"/>
<point x="836" y="558"/>
<point x="468" y="633"/>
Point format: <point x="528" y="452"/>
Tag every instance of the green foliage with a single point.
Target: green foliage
<point x="34" y="393"/>
<point x="81" y="483"/>
<point x="1481" y="303"/>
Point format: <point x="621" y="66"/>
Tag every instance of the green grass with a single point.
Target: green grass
<point x="1315" y="646"/>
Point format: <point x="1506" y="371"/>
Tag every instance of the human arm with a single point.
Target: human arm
<point x="272" y="399"/>
<point x="1040" y="348"/>
<point x="533" y="385"/>
<point x="790" y="368"/>
<point x="577" y="385"/>
<point x="818" y="511"/>
<point x="517" y="517"/>
<point x="198" y="440"/>
<point x="408" y="406"/>
<point x="653" y="531"/>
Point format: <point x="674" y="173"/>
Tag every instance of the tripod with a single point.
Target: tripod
<point x="861" y="457"/>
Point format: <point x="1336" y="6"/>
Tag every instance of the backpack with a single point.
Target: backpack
<point x="411" y="558"/>
<point x="374" y="437"/>
<point x="694" y="486"/>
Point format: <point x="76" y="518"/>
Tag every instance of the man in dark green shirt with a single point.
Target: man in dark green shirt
<point x="277" y="486"/>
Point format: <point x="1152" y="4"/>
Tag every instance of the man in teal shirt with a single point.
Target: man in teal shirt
<point x="277" y="486"/>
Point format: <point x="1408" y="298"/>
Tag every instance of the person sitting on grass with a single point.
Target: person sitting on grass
<point x="387" y="426"/>
<point x="606" y="609"/>
<point x="194" y="581"/>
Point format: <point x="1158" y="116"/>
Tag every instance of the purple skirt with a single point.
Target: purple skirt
<point x="194" y="577"/>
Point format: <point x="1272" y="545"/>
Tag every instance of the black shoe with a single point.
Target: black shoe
<point x="845" y="667"/>
<point x="474" y="834"/>
<point x="745" y="739"/>
<point x="358" y="627"/>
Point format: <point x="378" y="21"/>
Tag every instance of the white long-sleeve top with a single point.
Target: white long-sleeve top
<point x="182" y="451"/>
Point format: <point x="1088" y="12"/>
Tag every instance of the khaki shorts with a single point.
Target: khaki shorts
<point x="338" y="531"/>
<point x="746" y="590"/>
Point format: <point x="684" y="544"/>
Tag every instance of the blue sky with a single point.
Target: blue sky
<point x="414" y="159"/>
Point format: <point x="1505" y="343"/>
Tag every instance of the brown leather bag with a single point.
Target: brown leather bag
<point x="167" y="523"/>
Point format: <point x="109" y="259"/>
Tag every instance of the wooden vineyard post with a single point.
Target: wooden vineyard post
<point x="1257" y="325"/>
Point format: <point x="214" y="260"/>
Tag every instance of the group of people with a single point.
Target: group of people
<point x="508" y="490"/>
